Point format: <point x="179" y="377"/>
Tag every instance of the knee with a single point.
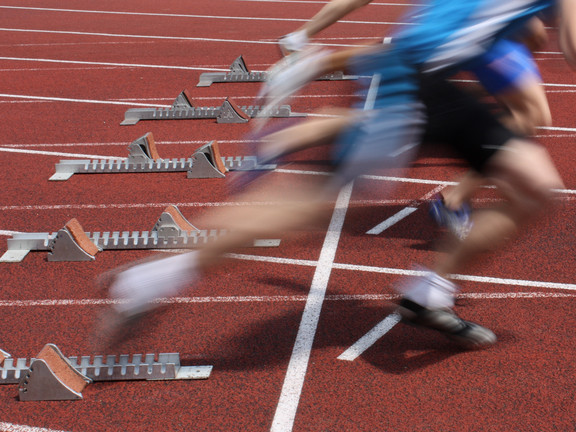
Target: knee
<point x="526" y="175"/>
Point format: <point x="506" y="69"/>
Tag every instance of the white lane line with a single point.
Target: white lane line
<point x="383" y="226"/>
<point x="9" y="427"/>
<point x="470" y="278"/>
<point x="217" y="17"/>
<point x="398" y="179"/>
<point x="371" y="337"/>
<point x="132" y="101"/>
<point x="179" y="38"/>
<point x="294" y="381"/>
<point x="129" y="65"/>
<point x="92" y="101"/>
<point x="406" y="272"/>
<point x="51" y="153"/>
<point x="543" y="84"/>
<point x="280" y="299"/>
<point x="9" y="233"/>
<point x="177" y="204"/>
<point x="324" y="2"/>
<point x="121" y="143"/>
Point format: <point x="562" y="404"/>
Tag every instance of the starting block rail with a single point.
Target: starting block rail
<point x="143" y="157"/>
<point x="183" y="109"/>
<point x="51" y="376"/>
<point x="138" y="367"/>
<point x="72" y="243"/>
<point x="239" y="73"/>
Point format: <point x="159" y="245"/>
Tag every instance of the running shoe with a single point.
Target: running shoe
<point x="457" y="221"/>
<point x="139" y="289"/>
<point x="466" y="334"/>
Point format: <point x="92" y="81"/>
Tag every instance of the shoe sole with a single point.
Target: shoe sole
<point x="470" y="335"/>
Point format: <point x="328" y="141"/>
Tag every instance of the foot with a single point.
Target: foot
<point x="467" y="334"/>
<point x="135" y="291"/>
<point x="457" y="221"/>
<point x="293" y="42"/>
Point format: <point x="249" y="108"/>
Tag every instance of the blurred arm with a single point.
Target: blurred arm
<point x="331" y="13"/>
<point x="328" y="15"/>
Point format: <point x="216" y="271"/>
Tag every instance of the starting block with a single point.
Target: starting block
<point x="239" y="73"/>
<point x="72" y="243"/>
<point x="143" y="157"/>
<point x="183" y="109"/>
<point x="52" y="376"/>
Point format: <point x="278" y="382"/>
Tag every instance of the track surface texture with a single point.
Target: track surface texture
<point x="282" y="327"/>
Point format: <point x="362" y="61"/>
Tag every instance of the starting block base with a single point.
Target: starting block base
<point x="182" y="109"/>
<point x="239" y="73"/>
<point x="72" y="243"/>
<point x="53" y="377"/>
<point x="206" y="162"/>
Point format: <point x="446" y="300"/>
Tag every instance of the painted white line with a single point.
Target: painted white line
<point x="181" y="38"/>
<point x="371" y="337"/>
<point x="134" y="205"/>
<point x="217" y="17"/>
<point x="380" y="228"/>
<point x="398" y="179"/>
<point x="407" y="272"/>
<point x="9" y="427"/>
<point x="129" y="65"/>
<point x="357" y="203"/>
<point x="92" y="101"/>
<point x="122" y="143"/>
<point x="552" y="128"/>
<point x="132" y="101"/>
<point x="470" y="278"/>
<point x="51" y="153"/>
<point x="279" y="299"/>
<point x="383" y="226"/>
<point x="9" y="233"/>
<point x="294" y="381"/>
<point x="543" y="84"/>
<point x="324" y="2"/>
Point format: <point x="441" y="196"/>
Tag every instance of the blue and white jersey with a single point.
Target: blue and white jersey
<point x="447" y="33"/>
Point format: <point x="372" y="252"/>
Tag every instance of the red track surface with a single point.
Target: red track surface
<point x="244" y="319"/>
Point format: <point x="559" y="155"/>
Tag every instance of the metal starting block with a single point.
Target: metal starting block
<point x="71" y="243"/>
<point x="51" y="376"/>
<point x="183" y="109"/>
<point x="143" y="157"/>
<point x="239" y="73"/>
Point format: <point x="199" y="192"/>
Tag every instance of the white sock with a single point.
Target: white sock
<point x="142" y="284"/>
<point x="432" y="291"/>
<point x="295" y="41"/>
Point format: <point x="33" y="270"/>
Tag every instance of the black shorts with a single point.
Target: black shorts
<point x="460" y="120"/>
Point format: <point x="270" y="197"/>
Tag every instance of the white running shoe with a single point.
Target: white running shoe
<point x="138" y="290"/>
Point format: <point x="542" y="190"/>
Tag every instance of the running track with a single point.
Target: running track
<point x="302" y="337"/>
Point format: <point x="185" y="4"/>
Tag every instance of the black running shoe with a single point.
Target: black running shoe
<point x="467" y="334"/>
